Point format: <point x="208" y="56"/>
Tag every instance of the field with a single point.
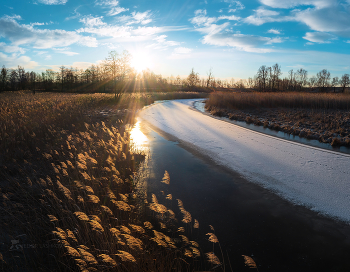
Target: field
<point x="68" y="190"/>
<point x="319" y="116"/>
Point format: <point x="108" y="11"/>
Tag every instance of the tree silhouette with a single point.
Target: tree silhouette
<point x="192" y="79"/>
<point x="118" y="67"/>
<point x="344" y="81"/>
<point x="323" y="78"/>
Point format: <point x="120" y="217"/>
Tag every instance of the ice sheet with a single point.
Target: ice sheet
<point x="313" y="177"/>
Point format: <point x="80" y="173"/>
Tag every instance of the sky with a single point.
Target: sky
<point x="230" y="38"/>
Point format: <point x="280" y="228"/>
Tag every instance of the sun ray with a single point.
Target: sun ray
<point x="141" y="60"/>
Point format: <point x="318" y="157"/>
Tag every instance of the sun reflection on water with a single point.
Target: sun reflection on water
<point x="138" y="139"/>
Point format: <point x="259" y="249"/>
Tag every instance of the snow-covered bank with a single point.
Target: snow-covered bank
<point x="317" y="178"/>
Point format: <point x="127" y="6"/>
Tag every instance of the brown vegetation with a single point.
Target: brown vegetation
<point x="68" y="193"/>
<point x="319" y="116"/>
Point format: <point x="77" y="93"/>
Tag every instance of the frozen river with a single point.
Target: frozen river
<point x="305" y="175"/>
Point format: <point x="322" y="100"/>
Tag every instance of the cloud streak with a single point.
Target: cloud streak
<point x="295" y="3"/>
<point x="113" y="6"/>
<point x="142" y="18"/>
<point x="53" y="2"/>
<point x="220" y="35"/>
<point x="20" y="34"/>
<point x="319" y="37"/>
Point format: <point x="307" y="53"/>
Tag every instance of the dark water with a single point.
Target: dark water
<point x="248" y="219"/>
<point x="199" y="105"/>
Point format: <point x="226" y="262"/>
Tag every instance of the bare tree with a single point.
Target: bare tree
<point x="301" y="77"/>
<point x="210" y="77"/>
<point x="32" y="77"/>
<point x="291" y="80"/>
<point x="334" y="83"/>
<point x="344" y="81"/>
<point x="62" y="75"/>
<point x="312" y="82"/>
<point x="250" y="83"/>
<point x="118" y="66"/>
<point x="22" y="78"/>
<point x="192" y="79"/>
<point x="262" y="76"/>
<point x="276" y="76"/>
<point x="323" y="78"/>
<point x="178" y="80"/>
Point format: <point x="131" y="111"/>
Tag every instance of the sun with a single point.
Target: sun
<point x="141" y="60"/>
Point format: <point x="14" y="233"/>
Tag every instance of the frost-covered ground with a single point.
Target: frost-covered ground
<point x="316" y="178"/>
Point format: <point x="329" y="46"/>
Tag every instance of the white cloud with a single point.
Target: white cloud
<point x="14" y="17"/>
<point x="116" y="10"/>
<point x="274" y="31"/>
<point x="65" y="51"/>
<point x="88" y="41"/>
<point x="13" y="61"/>
<point x="295" y="3"/>
<point x="162" y="40"/>
<point x="325" y="16"/>
<point x="248" y="43"/>
<point x="125" y="33"/>
<point x="53" y="2"/>
<point x="335" y="19"/>
<point x="201" y="19"/>
<point x="236" y="4"/>
<point x="37" y="24"/>
<point x="20" y="34"/>
<point x="142" y="18"/>
<point x="262" y="16"/>
<point x="108" y="31"/>
<point x="162" y="43"/>
<point x="90" y="21"/>
<point x="113" y="5"/>
<point x="230" y="18"/>
<point x="43" y="54"/>
<point x="319" y="37"/>
<point x="261" y="12"/>
<point x="220" y="35"/>
<point x="11" y="48"/>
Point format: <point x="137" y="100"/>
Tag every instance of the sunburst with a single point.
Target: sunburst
<point x="141" y="60"/>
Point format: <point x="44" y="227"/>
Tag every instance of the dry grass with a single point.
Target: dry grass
<point x="68" y="189"/>
<point x="323" y="117"/>
<point x="249" y="100"/>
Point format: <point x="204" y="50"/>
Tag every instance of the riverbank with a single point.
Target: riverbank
<point x="323" y="122"/>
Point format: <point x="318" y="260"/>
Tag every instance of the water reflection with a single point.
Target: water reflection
<point x="138" y="139"/>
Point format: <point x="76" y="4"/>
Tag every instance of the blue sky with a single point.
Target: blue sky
<point x="233" y="38"/>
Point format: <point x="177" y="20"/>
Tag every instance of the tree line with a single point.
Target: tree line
<point x="115" y="74"/>
<point x="269" y="79"/>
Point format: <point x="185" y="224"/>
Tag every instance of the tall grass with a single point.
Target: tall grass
<point x="251" y="100"/>
<point x="68" y="190"/>
<point x="316" y="116"/>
